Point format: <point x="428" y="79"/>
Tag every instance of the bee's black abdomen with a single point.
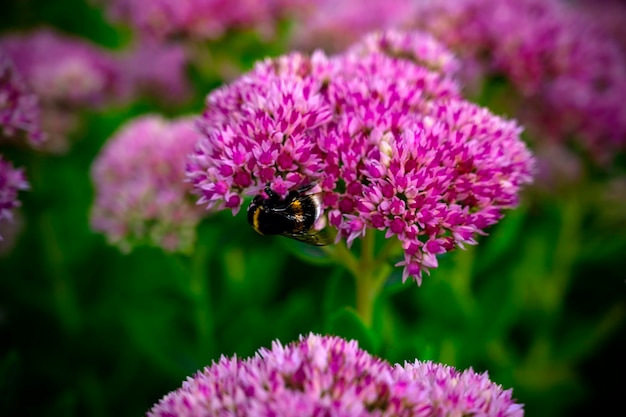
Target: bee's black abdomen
<point x="294" y="216"/>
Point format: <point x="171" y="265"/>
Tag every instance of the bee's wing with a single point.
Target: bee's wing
<point x="311" y="237"/>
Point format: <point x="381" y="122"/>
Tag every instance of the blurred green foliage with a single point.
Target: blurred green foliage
<point x="86" y="330"/>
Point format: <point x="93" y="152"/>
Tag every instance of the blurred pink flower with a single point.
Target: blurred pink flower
<point x="333" y="25"/>
<point x="157" y="70"/>
<point x="12" y="180"/>
<point x="567" y="73"/>
<point x="67" y="74"/>
<point x="421" y="48"/>
<point x="19" y="107"/>
<point x="327" y="375"/>
<point x="63" y="69"/>
<point x="609" y="14"/>
<point x="389" y="141"/>
<point x="200" y="19"/>
<point x="10" y="232"/>
<point x="141" y="197"/>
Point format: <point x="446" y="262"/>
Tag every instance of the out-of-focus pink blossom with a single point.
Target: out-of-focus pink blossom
<point x="141" y="196"/>
<point x="67" y="74"/>
<point x="12" y="180"/>
<point x="64" y="69"/>
<point x="333" y="25"/>
<point x="567" y="73"/>
<point x="19" y="106"/>
<point x="201" y="19"/>
<point x="157" y="70"/>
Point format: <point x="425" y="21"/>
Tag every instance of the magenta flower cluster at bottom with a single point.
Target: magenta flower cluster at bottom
<point x="329" y="376"/>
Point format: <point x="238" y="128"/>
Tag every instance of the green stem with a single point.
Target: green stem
<point x="342" y="256"/>
<point x="605" y="326"/>
<point x="64" y="299"/>
<point x="461" y="278"/>
<point x="369" y="272"/>
<point x="200" y="291"/>
<point x="62" y="292"/>
<point x="566" y="251"/>
<point x="194" y="281"/>
<point x="388" y="251"/>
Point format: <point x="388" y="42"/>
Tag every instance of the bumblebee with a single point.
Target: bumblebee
<point x="293" y="216"/>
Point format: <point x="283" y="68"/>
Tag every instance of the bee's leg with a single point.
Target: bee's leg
<point x="306" y="187"/>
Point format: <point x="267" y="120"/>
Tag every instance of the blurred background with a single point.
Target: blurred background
<point x="87" y="329"/>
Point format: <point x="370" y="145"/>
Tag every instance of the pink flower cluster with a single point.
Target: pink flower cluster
<point x="567" y="69"/>
<point x="19" y="107"/>
<point x="327" y="375"/>
<point x="333" y="25"/>
<point x="609" y="14"/>
<point x="157" y="70"/>
<point x="64" y="70"/>
<point x="140" y="194"/>
<point x="383" y="131"/>
<point x="11" y="181"/>
<point x="422" y="48"/>
<point x="200" y="19"/>
<point x="67" y="74"/>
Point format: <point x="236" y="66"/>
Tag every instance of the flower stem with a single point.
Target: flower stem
<point x="566" y="251"/>
<point x="62" y="291"/>
<point x="200" y="293"/>
<point x="369" y="272"/>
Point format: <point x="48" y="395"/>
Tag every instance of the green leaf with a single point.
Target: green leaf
<point x="502" y="238"/>
<point x="339" y="291"/>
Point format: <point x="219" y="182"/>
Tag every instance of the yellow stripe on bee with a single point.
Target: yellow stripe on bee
<point x="297" y="206"/>
<point x="255" y="219"/>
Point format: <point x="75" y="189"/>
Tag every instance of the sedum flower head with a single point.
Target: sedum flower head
<point x="390" y="142"/>
<point x="19" y="107"/>
<point x="12" y="180"/>
<point x="141" y="197"/>
<point x="327" y="375"/>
